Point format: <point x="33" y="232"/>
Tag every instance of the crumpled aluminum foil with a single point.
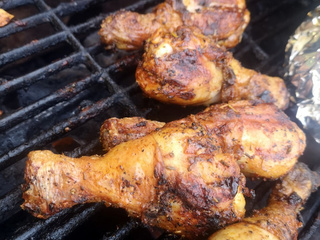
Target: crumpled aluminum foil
<point x="303" y="71"/>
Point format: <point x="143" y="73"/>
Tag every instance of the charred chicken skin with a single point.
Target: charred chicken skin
<point x="277" y="221"/>
<point x="187" y="68"/>
<point x="222" y="20"/>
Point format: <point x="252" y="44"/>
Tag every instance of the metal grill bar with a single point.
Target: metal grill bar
<point x="76" y="44"/>
<point x="38" y="228"/>
<point x="61" y="95"/>
<point x="35" y="47"/>
<point x="123" y="231"/>
<point x="87" y="26"/>
<point x="41" y="73"/>
<point x="250" y="44"/>
<point x="61" y="11"/>
<point x="72" y="223"/>
<point x="64" y="9"/>
<point x="269" y="8"/>
<point x="9" y="204"/>
<point x="25" y="24"/>
<point x="312" y="226"/>
<point x="57" y="130"/>
<point x="8" y="4"/>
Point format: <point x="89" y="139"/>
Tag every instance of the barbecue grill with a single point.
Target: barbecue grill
<point x="58" y="84"/>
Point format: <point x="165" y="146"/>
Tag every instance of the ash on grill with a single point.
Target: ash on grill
<point x="58" y="84"/>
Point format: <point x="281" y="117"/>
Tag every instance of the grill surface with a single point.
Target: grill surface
<point x="58" y="84"/>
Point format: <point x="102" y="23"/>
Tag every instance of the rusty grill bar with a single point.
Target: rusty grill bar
<point x="58" y="84"/>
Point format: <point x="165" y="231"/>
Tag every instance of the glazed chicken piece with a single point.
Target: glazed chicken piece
<point x="115" y="131"/>
<point x="277" y="221"/>
<point x="187" y="68"/>
<point x="222" y="20"/>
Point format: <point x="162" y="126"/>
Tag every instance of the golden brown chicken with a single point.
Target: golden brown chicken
<point x="187" y="68"/>
<point x="277" y="221"/>
<point x="261" y="144"/>
<point x="165" y="178"/>
<point x="115" y="131"/>
<point x="185" y="172"/>
<point x="158" y="188"/>
<point x="128" y="30"/>
<point x="222" y="20"/>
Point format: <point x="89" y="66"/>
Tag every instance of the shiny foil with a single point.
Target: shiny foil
<point x="303" y="71"/>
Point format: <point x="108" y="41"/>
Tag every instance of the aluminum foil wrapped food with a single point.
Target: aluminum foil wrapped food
<point x="303" y="71"/>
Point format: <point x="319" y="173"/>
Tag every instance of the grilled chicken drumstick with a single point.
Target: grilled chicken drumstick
<point x="222" y="20"/>
<point x="187" y="68"/>
<point x="186" y="172"/>
<point x="277" y="221"/>
<point x="261" y="147"/>
<point x="170" y="177"/>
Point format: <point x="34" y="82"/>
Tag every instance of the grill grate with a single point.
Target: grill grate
<point x="58" y="84"/>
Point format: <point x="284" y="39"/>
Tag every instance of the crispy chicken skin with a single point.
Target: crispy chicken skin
<point x="277" y="221"/>
<point x="262" y="138"/>
<point x="243" y="83"/>
<point x="166" y="185"/>
<point x="185" y="172"/>
<point x="187" y="68"/>
<point x="160" y="189"/>
<point x="115" y="131"/>
<point x="128" y="30"/>
<point x="222" y="20"/>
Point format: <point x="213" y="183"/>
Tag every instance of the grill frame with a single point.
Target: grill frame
<point x="121" y="100"/>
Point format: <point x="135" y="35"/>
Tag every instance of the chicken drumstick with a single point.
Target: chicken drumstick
<point x="188" y="171"/>
<point x="114" y="131"/>
<point x="277" y="221"/>
<point x="222" y="20"/>
<point x="187" y="68"/>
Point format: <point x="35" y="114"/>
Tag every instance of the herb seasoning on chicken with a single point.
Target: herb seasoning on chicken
<point x="185" y="177"/>
<point x="223" y="20"/>
<point x="185" y="67"/>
